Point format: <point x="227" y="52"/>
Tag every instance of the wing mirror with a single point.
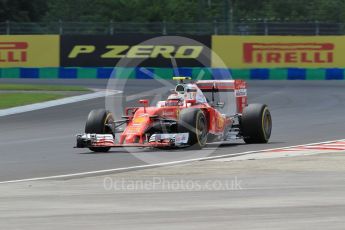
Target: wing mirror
<point x="219" y="105"/>
<point x="145" y="103"/>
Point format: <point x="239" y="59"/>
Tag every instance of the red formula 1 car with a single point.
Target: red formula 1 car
<point x="195" y="114"/>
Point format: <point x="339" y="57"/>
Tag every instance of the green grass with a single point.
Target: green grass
<point x="41" y="87"/>
<point x="8" y="100"/>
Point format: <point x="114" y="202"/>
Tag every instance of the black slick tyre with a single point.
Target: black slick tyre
<point x="193" y="121"/>
<point x="97" y="123"/>
<point x="256" y="124"/>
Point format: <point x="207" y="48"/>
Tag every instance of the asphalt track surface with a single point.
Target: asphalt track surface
<point x="40" y="143"/>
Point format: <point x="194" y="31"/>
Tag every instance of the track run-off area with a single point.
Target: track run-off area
<point x="40" y="143"/>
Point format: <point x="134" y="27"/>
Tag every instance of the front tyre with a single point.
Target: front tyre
<point x="193" y="121"/>
<point x="256" y="124"/>
<point x="97" y="122"/>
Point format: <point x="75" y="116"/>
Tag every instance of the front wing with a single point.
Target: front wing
<point x="88" y="140"/>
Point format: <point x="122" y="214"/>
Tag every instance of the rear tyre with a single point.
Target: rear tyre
<point x="256" y="124"/>
<point x="193" y="121"/>
<point x="97" y="123"/>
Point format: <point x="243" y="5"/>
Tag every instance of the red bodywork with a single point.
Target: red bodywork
<point x="140" y="118"/>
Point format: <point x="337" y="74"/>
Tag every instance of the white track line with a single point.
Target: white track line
<point x="63" y="101"/>
<point x="98" y="172"/>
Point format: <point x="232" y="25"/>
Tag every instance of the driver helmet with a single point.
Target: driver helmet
<point x="174" y="100"/>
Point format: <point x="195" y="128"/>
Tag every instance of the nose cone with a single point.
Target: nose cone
<point x="132" y="139"/>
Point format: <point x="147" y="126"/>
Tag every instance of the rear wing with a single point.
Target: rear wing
<point x="239" y="87"/>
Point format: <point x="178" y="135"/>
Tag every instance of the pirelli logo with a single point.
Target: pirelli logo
<point x="138" y="51"/>
<point x="286" y="53"/>
<point x="124" y="50"/>
<point x="12" y="52"/>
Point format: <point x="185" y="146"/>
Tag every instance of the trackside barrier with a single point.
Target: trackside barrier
<point x="168" y="73"/>
<point x="243" y="57"/>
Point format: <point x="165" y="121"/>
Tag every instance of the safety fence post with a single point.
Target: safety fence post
<point x="60" y="27"/>
<point x="215" y="27"/>
<point x="111" y="27"/>
<point x="8" y="27"/>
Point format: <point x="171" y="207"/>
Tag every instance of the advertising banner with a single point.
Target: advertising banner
<point x="279" y="51"/>
<point x="134" y="50"/>
<point x="29" y="51"/>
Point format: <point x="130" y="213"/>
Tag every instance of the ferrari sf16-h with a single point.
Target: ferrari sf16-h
<point x="194" y="114"/>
